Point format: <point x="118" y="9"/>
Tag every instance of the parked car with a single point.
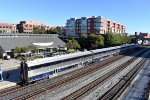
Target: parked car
<point x="7" y="57"/>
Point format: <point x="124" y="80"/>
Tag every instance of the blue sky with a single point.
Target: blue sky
<point x="134" y="14"/>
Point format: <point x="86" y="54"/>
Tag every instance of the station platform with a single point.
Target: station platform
<point x="10" y="78"/>
<point x="9" y="64"/>
<point x="6" y="84"/>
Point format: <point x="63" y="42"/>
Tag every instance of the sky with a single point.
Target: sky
<point x="134" y="14"/>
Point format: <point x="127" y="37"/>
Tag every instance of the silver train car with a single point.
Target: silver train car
<point x="49" y="67"/>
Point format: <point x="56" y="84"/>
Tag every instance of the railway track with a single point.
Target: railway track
<point x="5" y="92"/>
<point x="60" y="83"/>
<point x="118" y="89"/>
<point x="79" y="94"/>
<point x="46" y="85"/>
<point x="50" y="87"/>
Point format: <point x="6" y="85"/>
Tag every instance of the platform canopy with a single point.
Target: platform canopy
<point x="43" y="44"/>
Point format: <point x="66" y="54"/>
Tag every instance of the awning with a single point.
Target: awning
<point x="43" y="44"/>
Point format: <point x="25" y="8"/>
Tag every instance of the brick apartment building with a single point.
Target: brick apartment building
<point x="27" y="26"/>
<point x="8" y="28"/>
<point x="97" y="25"/>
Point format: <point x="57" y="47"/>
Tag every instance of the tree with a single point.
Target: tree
<point x="70" y="38"/>
<point x="17" y="51"/>
<point x="83" y="41"/>
<point x="116" y="39"/>
<point x="75" y="44"/>
<point x="72" y="43"/>
<point x="32" y="48"/>
<point x="69" y="44"/>
<point x="96" y="41"/>
<point x="23" y="50"/>
<point x="39" y="30"/>
<point x="54" y="30"/>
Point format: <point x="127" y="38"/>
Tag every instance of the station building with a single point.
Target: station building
<point x="46" y="43"/>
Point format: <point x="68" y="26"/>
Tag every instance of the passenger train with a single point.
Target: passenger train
<point x="1" y="78"/>
<point x="49" y="67"/>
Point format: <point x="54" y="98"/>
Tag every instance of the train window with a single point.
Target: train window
<point x="29" y="68"/>
<point x="56" y="62"/>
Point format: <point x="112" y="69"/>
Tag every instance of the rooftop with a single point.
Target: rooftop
<point x="11" y="41"/>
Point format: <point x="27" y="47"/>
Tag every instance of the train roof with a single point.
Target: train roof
<point x="104" y="49"/>
<point x="72" y="55"/>
<point x="111" y="48"/>
<point x="56" y="58"/>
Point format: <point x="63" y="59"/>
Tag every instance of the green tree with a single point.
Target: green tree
<point x="116" y="39"/>
<point x="23" y="50"/>
<point x="83" y="41"/>
<point x="54" y="30"/>
<point x="109" y="38"/>
<point x="75" y="44"/>
<point x="39" y="30"/>
<point x="17" y="51"/>
<point x="96" y="41"/>
<point x="32" y="48"/>
<point x="70" y="38"/>
<point x="72" y="44"/>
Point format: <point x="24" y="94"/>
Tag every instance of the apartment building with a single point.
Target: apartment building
<point x="8" y="28"/>
<point x="27" y="26"/>
<point x="94" y="24"/>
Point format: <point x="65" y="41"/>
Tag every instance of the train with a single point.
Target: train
<point x="1" y="78"/>
<point x="32" y="71"/>
<point x="1" y="72"/>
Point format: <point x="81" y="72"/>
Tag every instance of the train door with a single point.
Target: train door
<point x="80" y="64"/>
<point x="55" y="72"/>
<point x="24" y="72"/>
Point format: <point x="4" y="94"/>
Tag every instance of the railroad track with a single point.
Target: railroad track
<point x="60" y="83"/>
<point x="79" y="94"/>
<point x="118" y="89"/>
<point x="10" y="91"/>
<point x="50" y="87"/>
<point x="5" y="92"/>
